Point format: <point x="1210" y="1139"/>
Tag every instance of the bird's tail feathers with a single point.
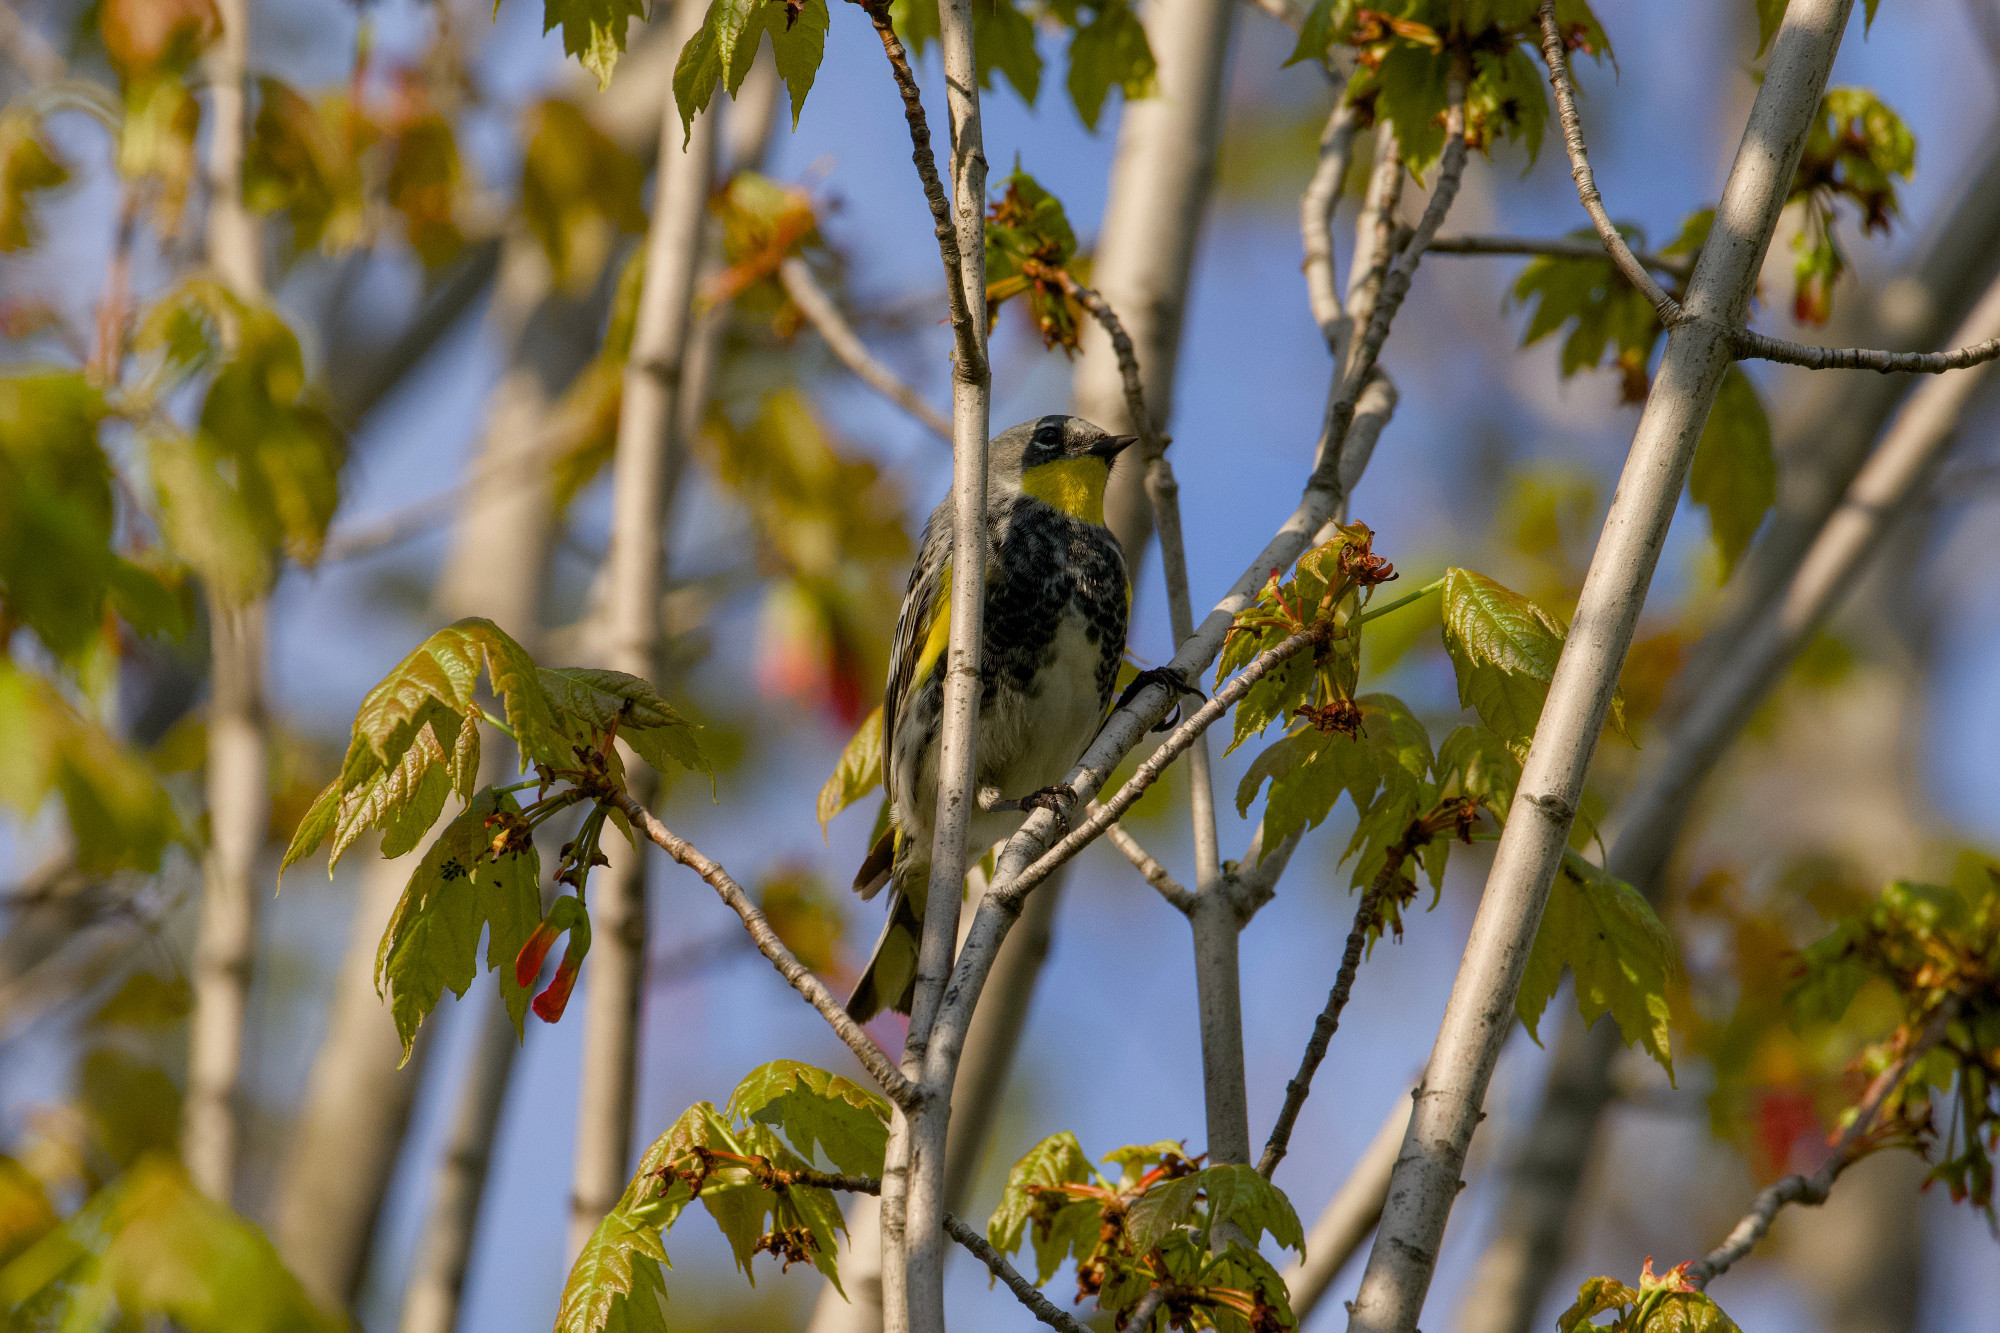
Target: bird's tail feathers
<point x="875" y="870"/>
<point x="890" y="979"/>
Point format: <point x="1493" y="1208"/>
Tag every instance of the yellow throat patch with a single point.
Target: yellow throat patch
<point x="1073" y="485"/>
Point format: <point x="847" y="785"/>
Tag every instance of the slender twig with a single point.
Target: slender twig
<point x="1040" y="1306"/>
<point x="971" y="355"/>
<point x="1757" y="346"/>
<point x="1329" y="1019"/>
<point x="1852" y="1146"/>
<point x="1396" y="285"/>
<point x="1678" y="266"/>
<point x="840" y="338"/>
<point x="1142" y="860"/>
<point x="1164" y="492"/>
<point x="1555" y="53"/>
<point x="872" y="1057"/>
<point x="1316" y="206"/>
<point x="1105" y="815"/>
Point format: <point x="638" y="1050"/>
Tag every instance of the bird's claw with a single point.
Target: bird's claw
<point x="1173" y="680"/>
<point x="1052" y="799"/>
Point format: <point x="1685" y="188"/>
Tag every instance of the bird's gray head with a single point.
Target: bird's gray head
<point x="1063" y="461"/>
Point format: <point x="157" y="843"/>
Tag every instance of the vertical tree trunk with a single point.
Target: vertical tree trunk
<point x="238" y="777"/>
<point x="1829" y="440"/>
<point x="646" y="426"/>
<point x="1161" y="180"/>
<point x="1479" y="1016"/>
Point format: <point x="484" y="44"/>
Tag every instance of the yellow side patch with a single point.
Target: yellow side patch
<point x="1073" y="485"/>
<point x="939" y="637"/>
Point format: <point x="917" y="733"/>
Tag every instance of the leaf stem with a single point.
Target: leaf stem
<point x="1397" y="605"/>
<point x="500" y="727"/>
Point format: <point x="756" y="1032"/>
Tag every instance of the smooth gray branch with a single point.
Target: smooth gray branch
<point x="1142" y="860"/>
<point x="818" y="307"/>
<point x="1560" y="247"/>
<point x="1555" y="53"/>
<point x="1316" y="206"/>
<point x="872" y="1057"/>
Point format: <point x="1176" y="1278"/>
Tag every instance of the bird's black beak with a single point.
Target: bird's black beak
<point x="1111" y="446"/>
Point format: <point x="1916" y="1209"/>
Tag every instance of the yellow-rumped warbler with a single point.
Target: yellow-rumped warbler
<point x="1056" y="603"/>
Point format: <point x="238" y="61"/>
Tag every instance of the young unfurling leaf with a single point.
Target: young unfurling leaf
<point x="1606" y="933"/>
<point x="1407" y="50"/>
<point x="816" y="1110"/>
<point x="1033" y="1195"/>
<point x="590" y="702"/>
<point x="461" y="888"/>
<point x="1663" y="1303"/>
<point x="1504" y="649"/>
<point x="1857" y="149"/>
<point x="1029" y="250"/>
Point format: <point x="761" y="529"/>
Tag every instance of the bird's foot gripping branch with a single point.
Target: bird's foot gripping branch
<point x="415" y="744"/>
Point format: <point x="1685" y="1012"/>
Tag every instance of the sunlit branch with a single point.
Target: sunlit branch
<point x="872" y="1057"/>
<point x="1812" y="1190"/>
<point x="820" y="311"/>
<point x="1554" y="52"/>
<point x="1556" y="248"/>
<point x="1316" y="206"/>
<point x="1757" y="346"/>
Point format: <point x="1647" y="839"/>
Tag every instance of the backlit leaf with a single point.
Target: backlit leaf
<point x="616" y="1285"/>
<point x="1606" y="933"/>
<point x="1735" y="476"/>
<point x="723" y="50"/>
<point x="815" y="1109"/>
<point x="119" y="816"/>
<point x="1503" y="648"/>
<point x="458" y="891"/>
<point x="858" y="772"/>
<point x="1239" y="1195"/>
<point x="593" y="30"/>
<point x="26" y="165"/>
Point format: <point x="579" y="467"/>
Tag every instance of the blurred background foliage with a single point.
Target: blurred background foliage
<point x="454" y="215"/>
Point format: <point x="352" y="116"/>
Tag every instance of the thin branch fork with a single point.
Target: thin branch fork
<point x="898" y="1088"/>
<point x="1182" y="737"/>
<point x="1396" y="285"/>
<point x="1746" y="343"/>
<point x="969" y="363"/>
<point x="1555" y="52"/>
<point x="1813" y="1190"/>
<point x="818" y="307"/>
<point x="1150" y="869"/>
